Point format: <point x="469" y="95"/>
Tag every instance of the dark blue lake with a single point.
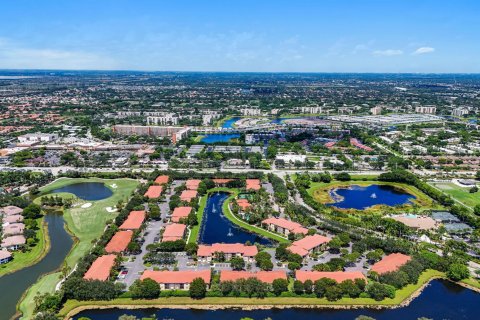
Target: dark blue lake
<point x="357" y="197"/>
<point x="213" y="138"/>
<point x="90" y="191"/>
<point x="216" y="228"/>
<point x="440" y="300"/>
<point x="229" y="123"/>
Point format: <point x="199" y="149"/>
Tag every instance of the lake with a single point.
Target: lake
<point x="440" y="300"/>
<point x="358" y="197"/>
<point x="216" y="228"/>
<point x="213" y="138"/>
<point x="90" y="191"/>
<point x="228" y="124"/>
<point x="13" y="285"/>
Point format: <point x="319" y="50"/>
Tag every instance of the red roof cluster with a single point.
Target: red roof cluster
<point x="134" y="220"/>
<point x="188" y="195"/>
<point x="329" y="145"/>
<point x="119" y="241"/>
<point x="253" y="184"/>
<point x="233" y="248"/>
<point x="174" y="277"/>
<point x="220" y="181"/>
<point x="390" y="263"/>
<point x="173" y="232"/>
<point x="286" y="224"/>
<point x="154" y="192"/>
<point x="358" y="144"/>
<point x="180" y="213"/>
<point x="338" y="276"/>
<point x="264" y="276"/>
<point x="303" y="246"/>
<point x="101" y="268"/>
<point x="243" y="203"/>
<point x="162" y="180"/>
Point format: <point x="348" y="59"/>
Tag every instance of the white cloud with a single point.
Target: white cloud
<point x="387" y="53"/>
<point x="423" y="50"/>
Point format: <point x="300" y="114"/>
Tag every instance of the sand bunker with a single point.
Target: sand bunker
<point x="86" y="205"/>
<point x="114" y="186"/>
<point x="110" y="209"/>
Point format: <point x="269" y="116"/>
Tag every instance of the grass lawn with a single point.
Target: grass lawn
<point x="84" y="224"/>
<point x="25" y="259"/>
<point x="193" y="237"/>
<point x="459" y="193"/>
<point x="401" y="296"/>
<point x="320" y="191"/>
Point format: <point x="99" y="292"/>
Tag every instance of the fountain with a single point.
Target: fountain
<point x="230" y="233"/>
<point x="373" y="196"/>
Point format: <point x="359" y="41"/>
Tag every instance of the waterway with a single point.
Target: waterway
<point x="440" y="300"/>
<point x="358" y="197"/>
<point x="214" y="138"/>
<point x="90" y="191"/>
<point x="216" y="228"/>
<point x="228" y="124"/>
<point x="12" y="286"/>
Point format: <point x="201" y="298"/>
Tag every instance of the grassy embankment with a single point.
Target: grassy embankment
<point x="320" y="191"/>
<point x="230" y="216"/>
<point x="84" y="224"/>
<point x="37" y="253"/>
<point x="402" y="296"/>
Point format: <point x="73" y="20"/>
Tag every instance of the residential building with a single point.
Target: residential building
<point x="426" y="109"/>
<point x="119" y="241"/>
<point x="5" y="256"/>
<point x="154" y="192"/>
<point x="174" y="232"/>
<point x="134" y="220"/>
<point x="338" y="276"/>
<point x="163" y="179"/>
<point x="253" y="184"/>
<point x="13" y="243"/>
<point x="264" y="276"/>
<point x="101" y="268"/>
<point x="390" y="263"/>
<point x="180" y="213"/>
<point x="188" y="195"/>
<point x="309" y="244"/>
<point x="283" y="226"/>
<point x="206" y="253"/>
<point x="177" y="280"/>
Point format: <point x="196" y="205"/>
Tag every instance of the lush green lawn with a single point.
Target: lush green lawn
<point x="193" y="237"/>
<point x="25" y="259"/>
<point x="461" y="194"/>
<point x="401" y="296"/>
<point x="320" y="191"/>
<point x="84" y="224"/>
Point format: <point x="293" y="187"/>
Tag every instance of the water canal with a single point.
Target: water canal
<point x="214" y="138"/>
<point x="358" y="197"/>
<point x="216" y="228"/>
<point x="12" y="286"/>
<point x="440" y="300"/>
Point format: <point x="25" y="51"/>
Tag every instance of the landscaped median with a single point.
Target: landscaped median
<point x="402" y="297"/>
<point x="193" y="237"/>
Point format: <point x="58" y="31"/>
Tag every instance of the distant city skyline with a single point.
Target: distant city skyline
<point x="408" y="36"/>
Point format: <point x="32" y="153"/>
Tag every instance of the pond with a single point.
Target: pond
<point x="228" y="124"/>
<point x="216" y="228"/>
<point x="213" y="138"/>
<point x="90" y="191"/>
<point x="14" y="285"/>
<point x="358" y="197"/>
<point x="440" y="300"/>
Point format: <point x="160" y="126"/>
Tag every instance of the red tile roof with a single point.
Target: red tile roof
<point x="153" y="192"/>
<point x="253" y="184"/>
<point x="286" y="224"/>
<point x="188" y="195"/>
<point x="264" y="276"/>
<point x="233" y="248"/>
<point x="192" y="184"/>
<point x="390" y="263"/>
<point x="338" y="276"/>
<point x="221" y="181"/>
<point x="134" y="220"/>
<point x="11" y="210"/>
<point x="243" y="203"/>
<point x="181" y="213"/>
<point x="119" y="241"/>
<point x="303" y="246"/>
<point x="162" y="179"/>
<point x="101" y="268"/>
<point x="173" y="232"/>
<point x="174" y="277"/>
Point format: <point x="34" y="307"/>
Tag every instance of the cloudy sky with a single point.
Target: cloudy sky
<point x="242" y="35"/>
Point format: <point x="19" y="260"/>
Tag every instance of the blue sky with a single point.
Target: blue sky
<point x="246" y="35"/>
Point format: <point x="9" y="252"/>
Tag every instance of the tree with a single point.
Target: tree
<point x="192" y="219"/>
<point x="321" y="286"/>
<point x="32" y="211"/>
<point x="145" y="289"/>
<point x="457" y="272"/>
<point x="473" y="189"/>
<point x="191" y="248"/>
<point x="343" y="176"/>
<point x="350" y="288"/>
<point x="237" y="263"/>
<point x="333" y="293"/>
<point x="154" y="212"/>
<point x="279" y="286"/>
<point x="294" y="266"/>
<point x="476" y="210"/>
<point x="308" y="286"/>
<point x="380" y="291"/>
<point x="298" y="287"/>
<point x="198" y="289"/>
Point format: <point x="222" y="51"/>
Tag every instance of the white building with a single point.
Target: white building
<point x="459" y="112"/>
<point x="291" y="158"/>
<point x="376" y="110"/>
<point x="251" y="111"/>
<point x="310" y="109"/>
<point x="37" y="137"/>
<point x="168" y="119"/>
<point x="426" y="109"/>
